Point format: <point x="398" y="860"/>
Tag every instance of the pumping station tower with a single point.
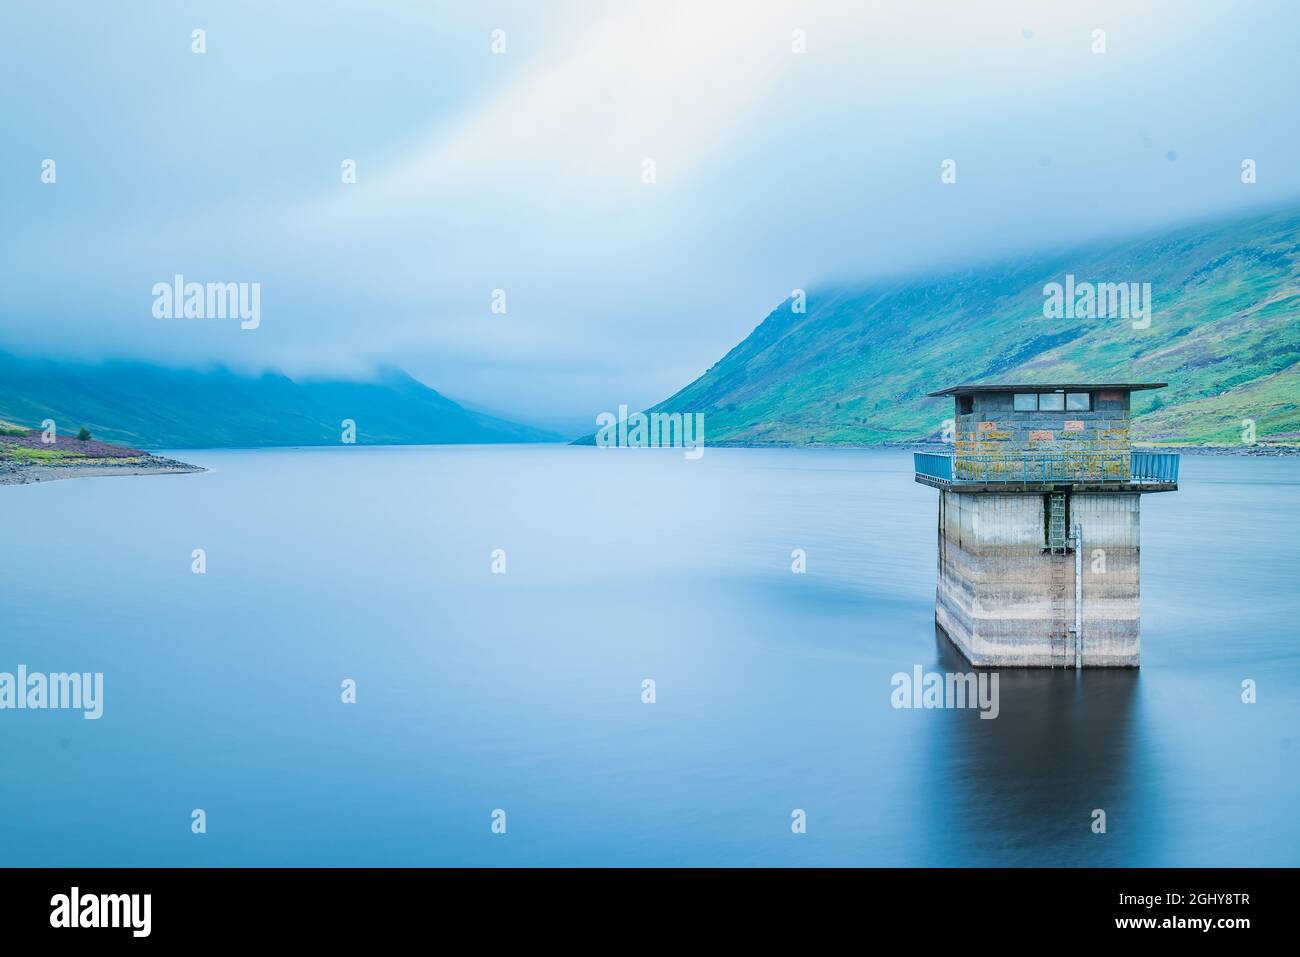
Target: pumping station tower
<point x="1039" y="533"/>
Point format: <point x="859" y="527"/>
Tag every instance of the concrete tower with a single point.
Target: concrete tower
<point x="1038" y="524"/>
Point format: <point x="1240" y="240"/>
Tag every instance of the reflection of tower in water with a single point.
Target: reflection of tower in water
<point x="1021" y="789"/>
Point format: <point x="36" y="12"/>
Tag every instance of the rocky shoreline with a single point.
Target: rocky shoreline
<point x="1272" y="451"/>
<point x="32" y="455"/>
<point x="22" y="474"/>
<point x="1210" y="450"/>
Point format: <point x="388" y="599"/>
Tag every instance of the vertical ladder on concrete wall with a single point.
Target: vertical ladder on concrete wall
<point x="1062" y="583"/>
<point x="1056" y="534"/>
<point x="1061" y="590"/>
<point x="1076" y="627"/>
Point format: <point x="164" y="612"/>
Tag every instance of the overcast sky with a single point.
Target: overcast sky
<point x="523" y="170"/>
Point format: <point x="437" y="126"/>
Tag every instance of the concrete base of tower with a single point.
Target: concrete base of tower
<point x="1005" y="600"/>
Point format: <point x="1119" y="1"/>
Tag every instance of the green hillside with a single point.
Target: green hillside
<point x="855" y="368"/>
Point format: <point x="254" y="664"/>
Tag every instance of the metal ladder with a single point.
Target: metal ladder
<point x="1057" y="539"/>
<point x="1062" y="595"/>
<point x="1061" y="636"/>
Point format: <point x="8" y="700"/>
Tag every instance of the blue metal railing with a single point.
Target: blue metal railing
<point x="936" y="465"/>
<point x="1106" y="466"/>
<point x="1155" y="467"/>
<point x="1096" y="466"/>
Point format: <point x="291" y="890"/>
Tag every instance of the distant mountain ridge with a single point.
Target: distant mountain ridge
<point x="150" y="406"/>
<point x="856" y="367"/>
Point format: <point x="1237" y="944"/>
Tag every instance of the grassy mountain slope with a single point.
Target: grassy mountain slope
<point x="1225" y="334"/>
<point x="153" y="407"/>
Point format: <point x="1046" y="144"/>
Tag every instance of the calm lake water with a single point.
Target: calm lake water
<point x="522" y="691"/>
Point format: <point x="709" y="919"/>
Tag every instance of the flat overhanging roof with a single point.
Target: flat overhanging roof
<point x="1052" y="387"/>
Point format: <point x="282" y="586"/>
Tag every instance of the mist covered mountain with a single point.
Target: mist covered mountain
<point x="151" y="406"/>
<point x="855" y="367"/>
